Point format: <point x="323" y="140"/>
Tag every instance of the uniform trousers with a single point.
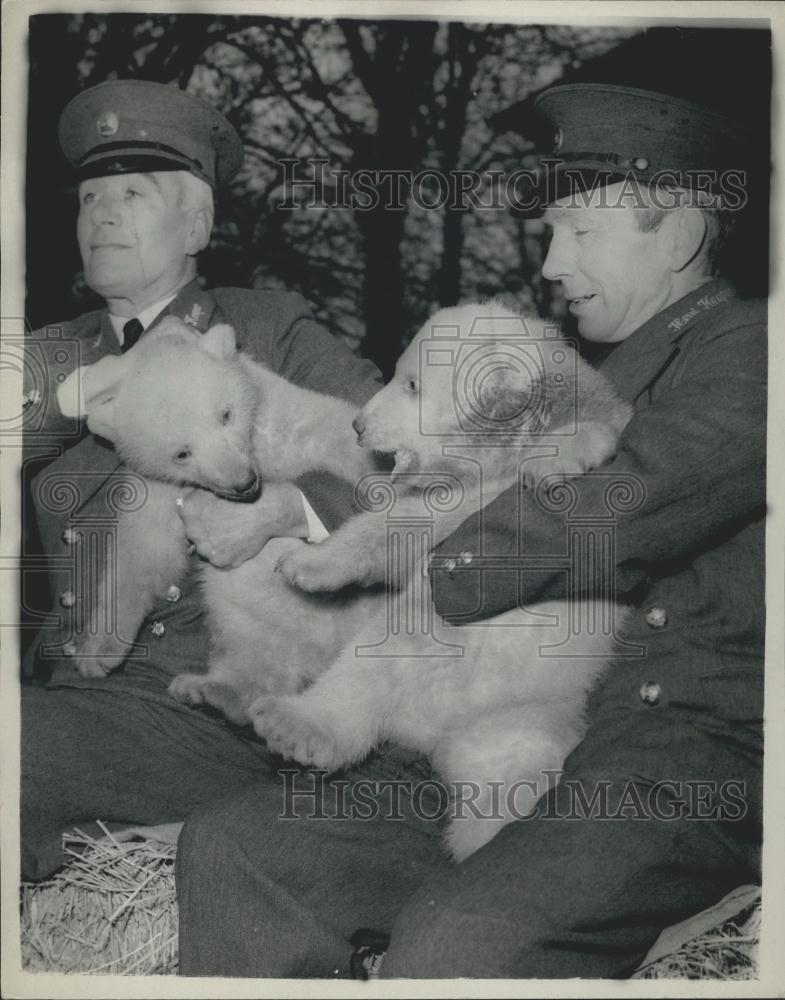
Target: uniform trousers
<point x="128" y="754"/>
<point x="657" y="816"/>
<point x="580" y="889"/>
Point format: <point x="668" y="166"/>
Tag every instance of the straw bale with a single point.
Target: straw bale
<point x="111" y="910"/>
<point x="726" y="952"/>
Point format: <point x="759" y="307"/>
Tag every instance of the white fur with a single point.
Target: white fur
<point x="505" y="711"/>
<point x="167" y="394"/>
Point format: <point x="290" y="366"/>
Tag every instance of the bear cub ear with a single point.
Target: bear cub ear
<point x="219" y="341"/>
<point x="512" y="399"/>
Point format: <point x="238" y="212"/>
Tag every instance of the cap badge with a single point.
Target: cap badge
<point x="107" y="123"/>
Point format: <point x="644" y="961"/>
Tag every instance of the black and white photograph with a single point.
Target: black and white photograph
<point x="392" y="521"/>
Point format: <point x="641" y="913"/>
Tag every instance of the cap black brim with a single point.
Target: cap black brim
<point x="565" y="180"/>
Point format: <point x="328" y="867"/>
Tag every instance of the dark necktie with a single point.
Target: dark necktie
<point x="132" y="331"/>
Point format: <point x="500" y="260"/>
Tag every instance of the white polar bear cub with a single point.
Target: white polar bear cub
<point x="481" y="400"/>
<point x="187" y="409"/>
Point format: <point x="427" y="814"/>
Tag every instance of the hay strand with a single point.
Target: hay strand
<point x="111" y="910"/>
<point x="727" y="952"/>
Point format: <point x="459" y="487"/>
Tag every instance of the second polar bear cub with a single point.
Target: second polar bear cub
<point x="482" y="399"/>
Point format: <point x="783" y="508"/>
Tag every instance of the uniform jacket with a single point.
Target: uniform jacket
<point x="79" y="494"/>
<point x="684" y="520"/>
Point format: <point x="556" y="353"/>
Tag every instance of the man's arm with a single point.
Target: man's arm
<point x="306" y="354"/>
<point x="699" y="453"/>
<point x="312" y="357"/>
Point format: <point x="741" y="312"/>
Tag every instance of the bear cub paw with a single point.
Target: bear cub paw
<point x="288" y="729"/>
<point x="314" y="568"/>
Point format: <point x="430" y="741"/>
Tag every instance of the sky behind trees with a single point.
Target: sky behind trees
<point x="321" y="104"/>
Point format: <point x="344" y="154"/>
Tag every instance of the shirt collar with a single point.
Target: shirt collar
<point x="145" y="317"/>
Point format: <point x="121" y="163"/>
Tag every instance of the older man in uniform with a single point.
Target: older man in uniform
<point x="119" y="748"/>
<point x="658" y="813"/>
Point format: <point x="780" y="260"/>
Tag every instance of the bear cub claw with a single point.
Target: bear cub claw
<point x="188" y="688"/>
<point x="199" y="689"/>
<point x="289" y="731"/>
<point x="310" y="569"/>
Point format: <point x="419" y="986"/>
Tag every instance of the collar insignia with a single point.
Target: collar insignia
<point x="194" y="316"/>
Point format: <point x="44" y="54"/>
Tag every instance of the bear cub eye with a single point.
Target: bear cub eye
<point x="182" y="455"/>
<point x="227" y="415"/>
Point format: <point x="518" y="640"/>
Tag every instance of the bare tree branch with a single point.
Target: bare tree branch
<point x="271" y="75"/>
<point x="349" y="127"/>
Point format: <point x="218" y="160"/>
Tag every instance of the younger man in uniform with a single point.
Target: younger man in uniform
<point x="658" y="813"/>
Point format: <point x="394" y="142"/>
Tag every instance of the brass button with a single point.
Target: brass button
<point x="68" y="598"/>
<point x="69" y="649"/>
<point x="449" y="565"/>
<point x="466" y="558"/>
<point x="657" y="617"/>
<point x="70" y="537"/>
<point x="650" y="693"/>
<point x="173" y="593"/>
<point x="158" y="629"/>
<point x="641" y="163"/>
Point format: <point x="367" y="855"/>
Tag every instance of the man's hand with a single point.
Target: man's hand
<point x="228" y="533"/>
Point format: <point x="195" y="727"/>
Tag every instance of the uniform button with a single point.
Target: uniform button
<point x="650" y="693"/>
<point x="70" y="537"/>
<point x="68" y="598"/>
<point x="449" y="565"/>
<point x="158" y="629"/>
<point x="69" y="649"/>
<point x="173" y="593"/>
<point x="466" y="558"/>
<point x="657" y="617"/>
<point x="641" y="163"/>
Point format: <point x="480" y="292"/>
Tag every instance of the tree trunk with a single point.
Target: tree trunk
<point x="462" y="57"/>
<point x="398" y="78"/>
